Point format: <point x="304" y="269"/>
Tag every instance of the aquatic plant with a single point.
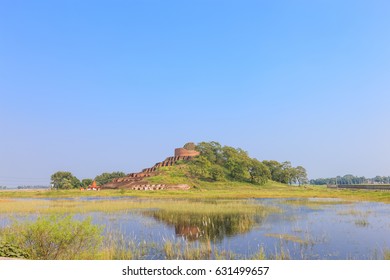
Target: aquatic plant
<point x="361" y="223"/>
<point x="55" y="237"/>
<point x="386" y="254"/>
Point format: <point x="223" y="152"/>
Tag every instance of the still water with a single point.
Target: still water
<point x="280" y="228"/>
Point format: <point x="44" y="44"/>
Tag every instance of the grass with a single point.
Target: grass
<point x="288" y="237"/>
<point x="351" y="212"/>
<point x="361" y="223"/>
<point x="211" y="190"/>
<point x="386" y="254"/>
<point x="315" y="203"/>
<point x="193" y="206"/>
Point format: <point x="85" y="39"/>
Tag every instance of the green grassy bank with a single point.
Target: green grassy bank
<point x="207" y="190"/>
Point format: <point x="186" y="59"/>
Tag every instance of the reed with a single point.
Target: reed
<point x="289" y="237"/>
<point x="386" y="255"/>
<point x="361" y="223"/>
<point x="32" y="206"/>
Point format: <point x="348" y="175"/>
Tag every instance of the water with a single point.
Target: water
<point x="296" y="228"/>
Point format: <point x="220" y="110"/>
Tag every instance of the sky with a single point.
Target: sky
<point x="102" y="86"/>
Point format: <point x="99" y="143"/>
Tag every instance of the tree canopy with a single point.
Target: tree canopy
<point x="105" y="177"/>
<point x="218" y="163"/>
<point x="64" y="180"/>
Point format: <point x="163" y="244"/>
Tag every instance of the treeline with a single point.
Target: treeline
<point x="66" y="180"/>
<point x="351" y="180"/>
<point x="219" y="163"/>
<point x="32" y="187"/>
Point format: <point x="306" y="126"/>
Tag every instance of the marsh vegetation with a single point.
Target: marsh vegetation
<point x="145" y="228"/>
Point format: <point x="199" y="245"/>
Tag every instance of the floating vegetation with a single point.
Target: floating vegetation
<point x="350" y="212"/>
<point x="193" y="228"/>
<point x="289" y="237"/>
<point x="313" y="203"/>
<point x="361" y="223"/>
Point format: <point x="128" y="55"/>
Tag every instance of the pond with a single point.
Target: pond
<point x="236" y="229"/>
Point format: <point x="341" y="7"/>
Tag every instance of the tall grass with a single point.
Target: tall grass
<point x="173" y="205"/>
<point x="55" y="237"/>
<point x="386" y="254"/>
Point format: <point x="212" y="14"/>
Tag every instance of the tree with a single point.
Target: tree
<point x="238" y="169"/>
<point x="300" y="175"/>
<point x="212" y="151"/>
<point x="200" y="166"/>
<point x="275" y="168"/>
<point x="189" y="146"/>
<point x="259" y="172"/>
<point x="217" y="173"/>
<point x="85" y="183"/>
<point x="105" y="177"/>
<point x="64" y="180"/>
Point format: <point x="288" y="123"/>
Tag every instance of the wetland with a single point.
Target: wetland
<point x="215" y="228"/>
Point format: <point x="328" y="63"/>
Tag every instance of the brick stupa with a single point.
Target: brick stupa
<point x="136" y="181"/>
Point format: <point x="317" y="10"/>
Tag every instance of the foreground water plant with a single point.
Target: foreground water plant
<point x="11" y="251"/>
<point x="55" y="237"/>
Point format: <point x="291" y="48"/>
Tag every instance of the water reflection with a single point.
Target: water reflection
<point x="300" y="229"/>
<point x="214" y="226"/>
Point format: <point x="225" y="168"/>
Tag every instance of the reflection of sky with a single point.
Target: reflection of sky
<point x="331" y="230"/>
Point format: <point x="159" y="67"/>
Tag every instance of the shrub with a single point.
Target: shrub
<point x="56" y="238"/>
<point x="9" y="250"/>
<point x="217" y="173"/>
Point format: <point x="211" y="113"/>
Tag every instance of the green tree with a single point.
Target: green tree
<point x="200" y="167"/>
<point x="85" y="183"/>
<point x="259" y="172"/>
<point x="275" y="168"/>
<point x="238" y="169"/>
<point x="217" y="173"/>
<point x="105" y="177"/>
<point x="210" y="150"/>
<point x="64" y="180"/>
<point x="300" y="175"/>
<point x="189" y="146"/>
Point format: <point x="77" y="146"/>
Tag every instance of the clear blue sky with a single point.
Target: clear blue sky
<point x="96" y="86"/>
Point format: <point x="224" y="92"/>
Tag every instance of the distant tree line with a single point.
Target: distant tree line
<point x="351" y="180"/>
<point x="219" y="163"/>
<point x="66" y="180"/>
<point x="32" y="187"/>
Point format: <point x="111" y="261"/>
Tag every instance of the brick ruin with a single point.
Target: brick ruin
<point x="136" y="181"/>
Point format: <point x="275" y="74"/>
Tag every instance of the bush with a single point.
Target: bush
<point x="11" y="251"/>
<point x="56" y="238"/>
<point x="217" y="173"/>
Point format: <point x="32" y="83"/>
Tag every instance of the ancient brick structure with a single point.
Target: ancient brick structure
<point x="136" y="181"/>
<point x="181" y="152"/>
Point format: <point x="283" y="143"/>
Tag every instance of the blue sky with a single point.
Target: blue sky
<point x="101" y="86"/>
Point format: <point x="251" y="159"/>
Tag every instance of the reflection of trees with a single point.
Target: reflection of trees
<point x="208" y="227"/>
